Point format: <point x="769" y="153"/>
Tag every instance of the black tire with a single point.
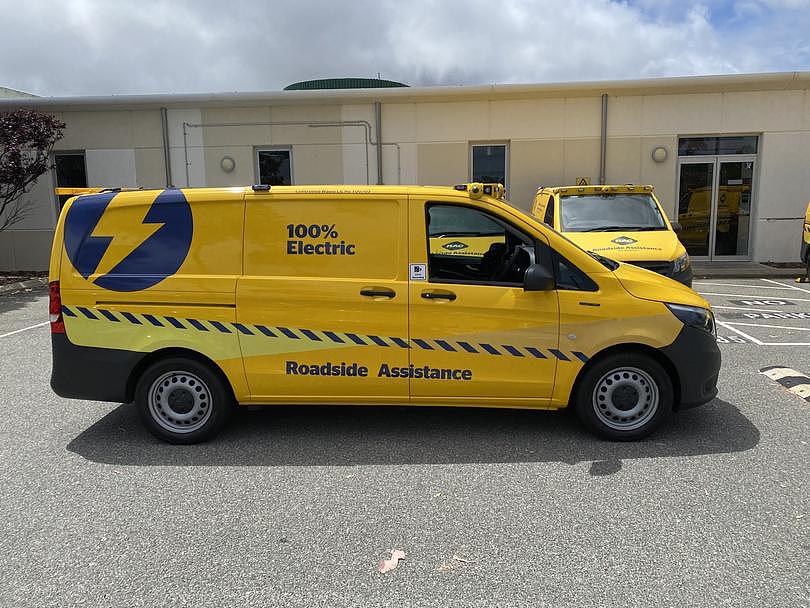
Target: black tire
<point x="182" y="400"/>
<point x="624" y="383"/>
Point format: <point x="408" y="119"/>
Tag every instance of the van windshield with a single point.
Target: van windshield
<point x="610" y="212"/>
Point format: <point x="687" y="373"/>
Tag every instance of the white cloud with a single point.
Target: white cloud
<point x="142" y="46"/>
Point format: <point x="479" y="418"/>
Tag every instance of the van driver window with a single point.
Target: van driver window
<point x="466" y="245"/>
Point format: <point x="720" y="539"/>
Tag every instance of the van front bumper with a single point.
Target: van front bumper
<point x="696" y="358"/>
<point x="95" y="374"/>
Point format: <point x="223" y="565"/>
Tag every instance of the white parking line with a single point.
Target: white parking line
<point x="786" y="286"/>
<point x="740" y="285"/>
<point x="746" y="309"/>
<point x="771" y="326"/>
<point x="739" y="331"/>
<point x="11" y="333"/>
<point x="749" y="296"/>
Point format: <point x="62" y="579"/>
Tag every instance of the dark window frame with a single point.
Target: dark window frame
<point x="711" y="145"/>
<point x="484" y="144"/>
<point x="55" y="155"/>
<point x="257" y="166"/>
<point x="558" y="259"/>
<point x="548" y="216"/>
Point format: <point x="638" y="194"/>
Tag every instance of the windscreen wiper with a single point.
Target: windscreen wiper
<point x="612" y="228"/>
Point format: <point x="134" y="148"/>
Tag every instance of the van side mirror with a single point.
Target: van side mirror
<point x="538" y="278"/>
<point x="676" y="226"/>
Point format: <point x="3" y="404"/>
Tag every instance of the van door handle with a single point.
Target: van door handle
<point x="439" y="295"/>
<point x="378" y="292"/>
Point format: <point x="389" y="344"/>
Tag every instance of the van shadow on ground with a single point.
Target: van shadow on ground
<point x="345" y="436"/>
<point x="20" y="299"/>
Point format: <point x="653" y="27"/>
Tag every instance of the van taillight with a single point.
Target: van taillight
<point x="55" y="308"/>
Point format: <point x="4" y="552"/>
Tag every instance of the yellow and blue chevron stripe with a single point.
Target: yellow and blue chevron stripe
<point x="323" y="336"/>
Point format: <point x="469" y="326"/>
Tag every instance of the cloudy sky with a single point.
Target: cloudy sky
<point x="99" y="47"/>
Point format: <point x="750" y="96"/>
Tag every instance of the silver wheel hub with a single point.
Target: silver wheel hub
<point x="625" y="398"/>
<point x="179" y="402"/>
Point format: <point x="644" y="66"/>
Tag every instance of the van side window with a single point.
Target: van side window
<point x="548" y="218"/>
<point x="467" y="245"/>
<point x="571" y="278"/>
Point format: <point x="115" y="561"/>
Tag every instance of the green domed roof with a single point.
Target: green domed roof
<point x="343" y="83"/>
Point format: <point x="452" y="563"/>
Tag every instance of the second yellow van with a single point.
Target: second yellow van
<point x="625" y="223"/>
<point x="191" y="302"/>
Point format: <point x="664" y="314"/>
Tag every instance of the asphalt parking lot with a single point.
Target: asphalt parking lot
<point x="295" y="506"/>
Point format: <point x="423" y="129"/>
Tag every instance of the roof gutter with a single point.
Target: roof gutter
<point x="652" y="86"/>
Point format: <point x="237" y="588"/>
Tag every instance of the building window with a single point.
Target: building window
<point x="717" y="146"/>
<point x="71" y="172"/>
<point x="488" y="163"/>
<point x="274" y="166"/>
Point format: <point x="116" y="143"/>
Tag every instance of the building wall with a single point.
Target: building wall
<point x="552" y="141"/>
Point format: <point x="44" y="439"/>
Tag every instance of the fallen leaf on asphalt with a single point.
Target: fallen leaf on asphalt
<point x="389" y="564"/>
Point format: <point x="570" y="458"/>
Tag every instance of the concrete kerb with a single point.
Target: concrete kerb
<point x="744" y="270"/>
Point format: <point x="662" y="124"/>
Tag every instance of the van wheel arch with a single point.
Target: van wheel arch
<point x="166" y="353"/>
<point x="654" y="353"/>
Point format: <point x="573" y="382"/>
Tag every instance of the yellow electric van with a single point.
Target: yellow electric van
<point x="624" y="223"/>
<point x="189" y="302"/>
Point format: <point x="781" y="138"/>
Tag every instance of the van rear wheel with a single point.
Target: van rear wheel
<point x="182" y="400"/>
<point x="625" y="396"/>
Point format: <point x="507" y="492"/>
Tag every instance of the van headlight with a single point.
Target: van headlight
<point x="681" y="264"/>
<point x="695" y="316"/>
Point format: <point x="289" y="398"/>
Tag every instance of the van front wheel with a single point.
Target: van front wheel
<point x="624" y="396"/>
<point x="182" y="401"/>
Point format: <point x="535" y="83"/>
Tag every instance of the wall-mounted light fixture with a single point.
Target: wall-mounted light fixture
<point x="227" y="163"/>
<point x="659" y="154"/>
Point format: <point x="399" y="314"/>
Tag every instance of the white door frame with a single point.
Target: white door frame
<point x="715" y="161"/>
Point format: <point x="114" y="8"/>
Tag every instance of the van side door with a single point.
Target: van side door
<point x="324" y="297"/>
<point x="475" y="333"/>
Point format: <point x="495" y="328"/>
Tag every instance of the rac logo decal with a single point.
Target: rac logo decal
<point x="624" y="240"/>
<point x="454" y="246"/>
<point x="126" y="249"/>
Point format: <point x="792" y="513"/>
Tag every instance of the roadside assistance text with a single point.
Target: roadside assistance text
<point x="343" y="369"/>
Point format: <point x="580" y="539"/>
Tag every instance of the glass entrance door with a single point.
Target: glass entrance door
<point x="733" y="208"/>
<point x="695" y="185"/>
<point x="714" y="206"/>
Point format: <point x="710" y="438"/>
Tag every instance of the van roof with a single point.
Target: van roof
<point x="598" y="189"/>
<point x="473" y="190"/>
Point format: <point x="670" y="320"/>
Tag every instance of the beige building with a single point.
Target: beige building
<point x="729" y="156"/>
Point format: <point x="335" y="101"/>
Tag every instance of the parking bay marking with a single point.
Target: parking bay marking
<point x="730" y="327"/>
<point x="782" y="302"/>
<point x="747" y="309"/>
<point x="742" y="333"/>
<point x="786" y="286"/>
<point x="757" y="314"/>
<point x="751" y="297"/>
<point x="18" y="331"/>
<point x="770" y="326"/>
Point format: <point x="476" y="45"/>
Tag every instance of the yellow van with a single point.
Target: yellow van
<point x="624" y="223"/>
<point x="191" y="301"/>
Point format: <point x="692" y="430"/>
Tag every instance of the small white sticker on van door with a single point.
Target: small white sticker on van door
<point x="418" y="272"/>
